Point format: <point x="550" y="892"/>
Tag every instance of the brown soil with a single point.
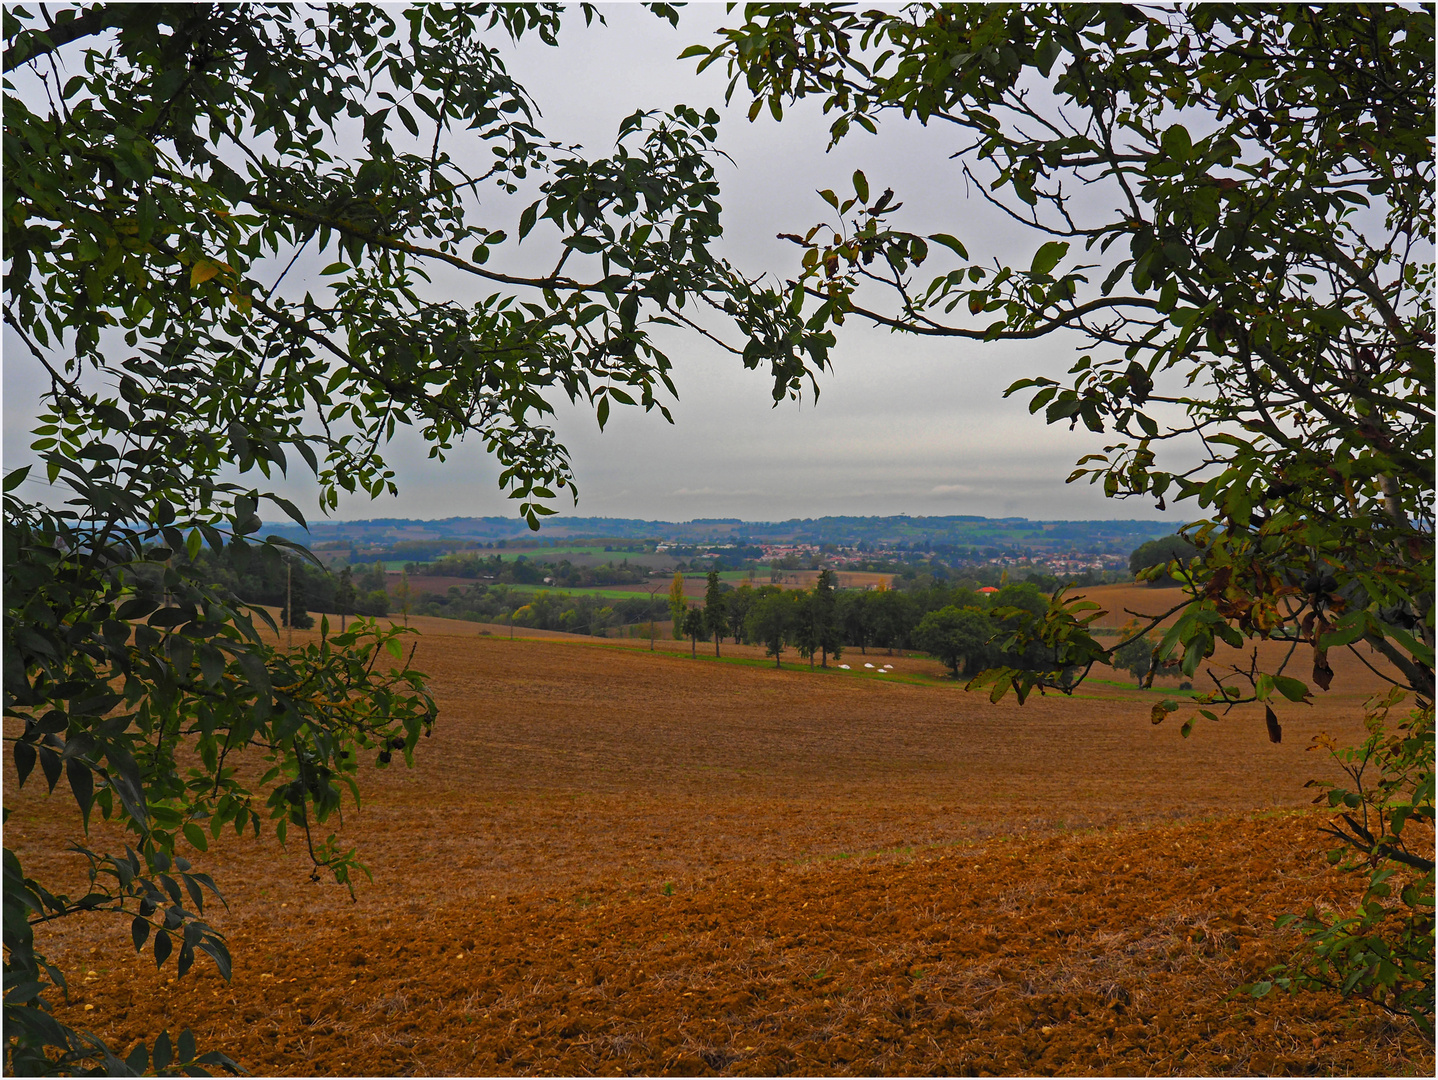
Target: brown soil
<point x="430" y="583"/>
<point x="846" y="579"/>
<point x="611" y="861"/>
<point x="1124" y="603"/>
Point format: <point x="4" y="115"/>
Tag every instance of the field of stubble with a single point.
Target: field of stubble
<point x="615" y="862"/>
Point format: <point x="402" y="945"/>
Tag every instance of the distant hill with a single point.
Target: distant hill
<point x="964" y="531"/>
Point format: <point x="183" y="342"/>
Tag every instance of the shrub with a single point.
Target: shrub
<point x="1383" y="950"/>
<point x="1136" y="656"/>
<point x="1160" y="553"/>
<point x="957" y="636"/>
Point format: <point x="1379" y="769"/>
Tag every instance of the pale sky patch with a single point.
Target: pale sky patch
<point x="903" y="425"/>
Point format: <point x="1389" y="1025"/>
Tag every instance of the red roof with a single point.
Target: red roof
<point x="988" y="588"/>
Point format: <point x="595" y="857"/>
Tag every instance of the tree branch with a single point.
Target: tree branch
<point x="29" y="46"/>
<point x="937" y="330"/>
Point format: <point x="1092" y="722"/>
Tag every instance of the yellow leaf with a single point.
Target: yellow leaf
<point x="202" y="271"/>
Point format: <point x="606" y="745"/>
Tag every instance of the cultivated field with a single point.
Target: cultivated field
<point x="695" y="585"/>
<point x="614" y="861"/>
<point x="846" y="579"/>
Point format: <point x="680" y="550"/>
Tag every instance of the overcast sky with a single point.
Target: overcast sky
<point x="903" y="425"/>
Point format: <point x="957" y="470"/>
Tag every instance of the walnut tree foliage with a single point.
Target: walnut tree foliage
<point x="1228" y="212"/>
<point x="170" y="170"/>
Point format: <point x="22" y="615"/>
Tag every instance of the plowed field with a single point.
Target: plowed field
<point x="610" y="861"/>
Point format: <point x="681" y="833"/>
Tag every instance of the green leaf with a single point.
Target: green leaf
<point x="125" y="779"/>
<point x="861" y="187"/>
<point x="1048" y="256"/>
<point x="162" y="1052"/>
<point x="1292" y="689"/>
<point x="82" y="786"/>
<point x="527" y="219"/>
<point x="1176" y="143"/>
<point x="136" y="608"/>
<point x="1047" y="52"/>
<point x="257" y="674"/>
<point x="212" y="664"/>
<point x="1346" y="635"/>
<point x="196" y="836"/>
<point x="24" y="760"/>
<point x="952" y="244"/>
<point x="15" y="478"/>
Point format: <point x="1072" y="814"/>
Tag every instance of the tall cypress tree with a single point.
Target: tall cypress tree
<point x="716" y="615"/>
<point x="677" y="605"/>
<point x="827" y="631"/>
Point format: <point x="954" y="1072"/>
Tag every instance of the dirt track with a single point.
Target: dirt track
<point x="656" y="864"/>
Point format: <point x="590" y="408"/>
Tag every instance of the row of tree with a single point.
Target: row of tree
<point x="953" y="623"/>
<point x="521" y="571"/>
<point x="581" y="613"/>
<point x="301" y="590"/>
<point x="957" y="625"/>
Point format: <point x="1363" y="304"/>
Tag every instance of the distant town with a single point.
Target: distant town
<point x="977" y="547"/>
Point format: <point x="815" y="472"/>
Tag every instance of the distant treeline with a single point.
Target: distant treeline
<point x="521" y="571"/>
<point x="917" y="573"/>
<point x="593" y="614"/>
<point x="262" y="575"/>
